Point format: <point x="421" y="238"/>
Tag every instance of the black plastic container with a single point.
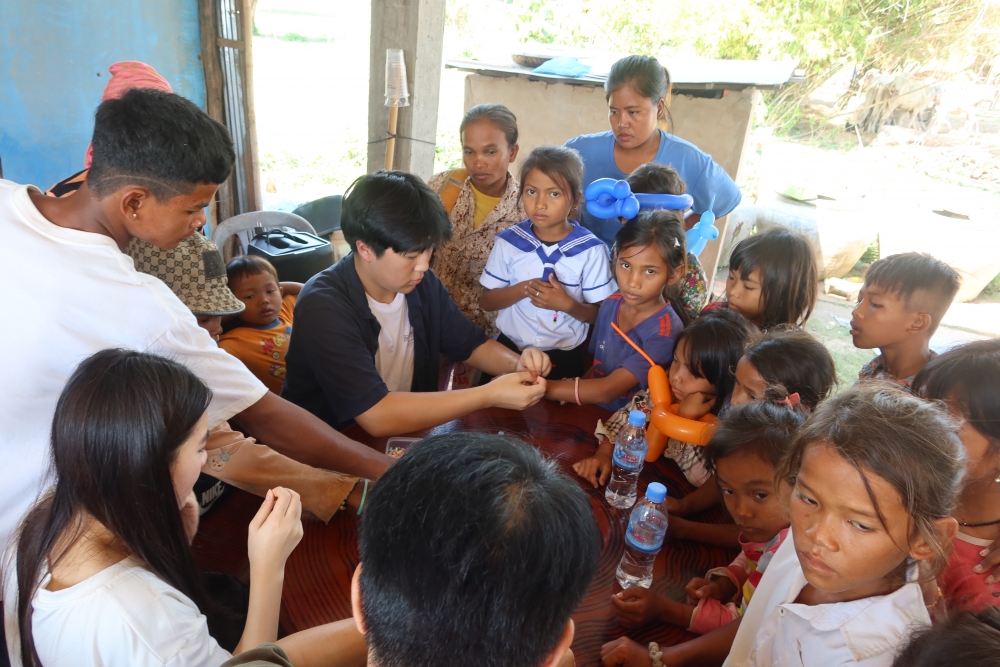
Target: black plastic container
<point x="297" y="256"/>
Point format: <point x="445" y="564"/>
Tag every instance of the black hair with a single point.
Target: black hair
<point x="563" y="165"/>
<point x="762" y="428"/>
<point x="885" y="431"/>
<point x="474" y="550"/>
<point x="498" y="114"/>
<point x="970" y="374"/>
<point x="665" y="230"/>
<point x="789" y="279"/>
<point x="911" y="272"/>
<point x="248" y="265"/>
<point x="644" y="73"/>
<point x="655" y="179"/>
<point x="395" y="210"/>
<point x="965" y="638"/>
<point x="792" y="362"/>
<point x="159" y="141"/>
<point x="117" y="427"/>
<point x="715" y="344"/>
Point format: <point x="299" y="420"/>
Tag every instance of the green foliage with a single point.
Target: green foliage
<point x="822" y="36"/>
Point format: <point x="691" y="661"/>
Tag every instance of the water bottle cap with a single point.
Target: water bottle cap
<point x="656" y="492"/>
<point x="637" y="418"/>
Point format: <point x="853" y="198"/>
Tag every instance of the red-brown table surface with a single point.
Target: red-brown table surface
<point x="318" y="573"/>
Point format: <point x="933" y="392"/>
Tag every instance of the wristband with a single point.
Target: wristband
<point x="576" y="390"/>
<point x="364" y="494"/>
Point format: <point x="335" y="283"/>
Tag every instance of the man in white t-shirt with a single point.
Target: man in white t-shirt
<point x="157" y="163"/>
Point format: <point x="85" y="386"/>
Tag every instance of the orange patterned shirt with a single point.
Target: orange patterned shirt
<point x="262" y="348"/>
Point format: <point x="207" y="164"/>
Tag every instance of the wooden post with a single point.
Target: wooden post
<point x="252" y="159"/>
<point x="416" y="27"/>
<point x="390" y="144"/>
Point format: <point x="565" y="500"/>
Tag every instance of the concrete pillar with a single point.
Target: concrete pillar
<point x="417" y="27"/>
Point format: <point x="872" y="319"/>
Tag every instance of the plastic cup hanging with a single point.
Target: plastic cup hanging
<point x="396" y="92"/>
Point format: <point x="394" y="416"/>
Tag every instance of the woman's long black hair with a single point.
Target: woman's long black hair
<point x="117" y="427"/>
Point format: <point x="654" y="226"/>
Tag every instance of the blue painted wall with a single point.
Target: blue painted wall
<point x="54" y="59"/>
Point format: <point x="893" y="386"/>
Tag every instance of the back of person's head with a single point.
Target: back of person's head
<point x="762" y="428"/>
<point x="497" y="114"/>
<point x="792" y="362"/>
<point x="394" y="210"/>
<point x="969" y="376"/>
<point x="714" y="343"/>
<point x="665" y="231"/>
<point x="789" y="278"/>
<point x="964" y="639"/>
<point x="118" y="425"/>
<point x="644" y="73"/>
<point x="248" y="265"/>
<point x="474" y="550"/>
<point x="920" y="281"/>
<point x="655" y="179"/>
<point x="563" y="165"/>
<point x="884" y="431"/>
<point x="159" y="141"/>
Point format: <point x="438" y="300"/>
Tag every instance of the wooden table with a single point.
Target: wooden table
<point x="318" y="573"/>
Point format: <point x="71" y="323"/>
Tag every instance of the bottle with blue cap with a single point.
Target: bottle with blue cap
<point x="647" y="526"/>
<point x="626" y="462"/>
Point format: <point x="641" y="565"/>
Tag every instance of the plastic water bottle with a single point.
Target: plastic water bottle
<point x="626" y="462"/>
<point x="647" y="526"/>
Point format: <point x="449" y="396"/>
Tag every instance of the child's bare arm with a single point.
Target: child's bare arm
<point x="595" y="390"/>
<point x="720" y="535"/>
<point x="551" y="295"/>
<point x="290" y="289"/>
<point x="704" y="497"/>
<point x="638" y="606"/>
<point x="503" y="297"/>
<point x="720" y="588"/>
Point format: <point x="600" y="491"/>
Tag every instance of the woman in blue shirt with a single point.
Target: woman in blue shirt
<point x="637" y="91"/>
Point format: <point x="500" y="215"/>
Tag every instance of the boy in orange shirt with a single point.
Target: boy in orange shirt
<point x="261" y="338"/>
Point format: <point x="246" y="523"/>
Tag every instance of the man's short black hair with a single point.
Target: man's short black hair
<point x="910" y="273"/>
<point x="159" y="141"/>
<point x="396" y="210"/>
<point x="475" y="550"/>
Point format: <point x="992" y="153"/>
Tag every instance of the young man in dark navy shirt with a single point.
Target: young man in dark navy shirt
<point x="370" y="331"/>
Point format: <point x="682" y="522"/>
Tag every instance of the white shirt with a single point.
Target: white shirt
<point x="394" y="356"/>
<point x="72" y="294"/>
<point x="775" y="631"/>
<point x="581" y="266"/>
<point x="124" y="615"/>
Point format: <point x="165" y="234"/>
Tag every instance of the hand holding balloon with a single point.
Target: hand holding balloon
<point x="703" y="231"/>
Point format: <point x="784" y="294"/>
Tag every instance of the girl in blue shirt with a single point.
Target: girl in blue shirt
<point x="637" y="91"/>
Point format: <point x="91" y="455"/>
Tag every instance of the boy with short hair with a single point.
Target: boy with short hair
<point x="264" y="329"/>
<point x="899" y="308"/>
<point x="157" y="162"/>
<point x="370" y="330"/>
<point x="475" y="551"/>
